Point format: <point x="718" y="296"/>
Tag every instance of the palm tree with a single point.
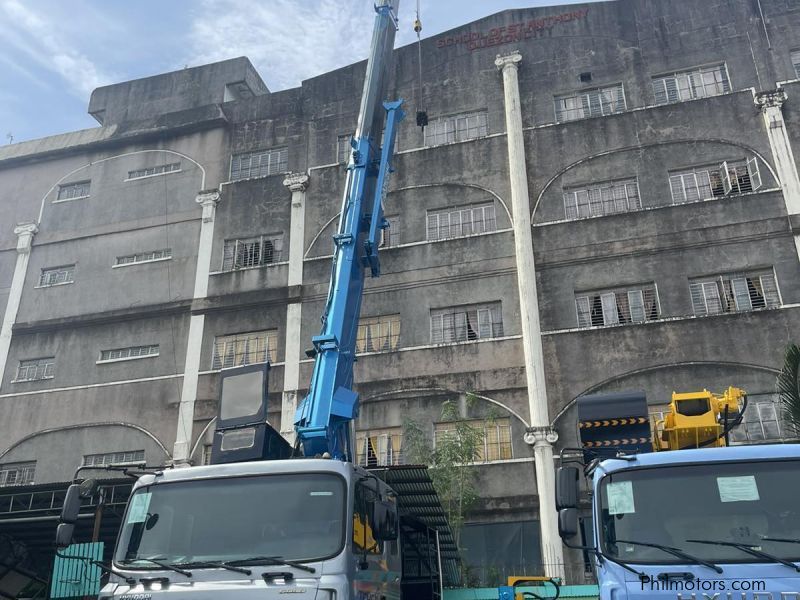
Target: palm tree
<point x="789" y="388"/>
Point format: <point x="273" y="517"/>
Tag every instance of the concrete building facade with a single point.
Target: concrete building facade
<point x="611" y="204"/>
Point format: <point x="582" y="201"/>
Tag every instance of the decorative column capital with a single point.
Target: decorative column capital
<point x="208" y="199"/>
<point x="25" y="233"/>
<point x="538" y="436"/>
<point x="296" y="182"/>
<point x="508" y="61"/>
<point x="770" y="99"/>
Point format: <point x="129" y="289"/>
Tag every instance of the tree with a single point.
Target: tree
<point x="789" y="388"/>
<point x="449" y="461"/>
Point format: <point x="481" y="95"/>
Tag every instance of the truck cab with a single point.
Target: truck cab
<point x="714" y="523"/>
<point x="322" y="528"/>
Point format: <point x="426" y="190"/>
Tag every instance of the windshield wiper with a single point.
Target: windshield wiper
<point x="749" y="549"/>
<point x="675" y="552"/>
<point x="164" y="565"/>
<point x="212" y="563"/>
<point x="271" y="560"/>
<point x="781" y="540"/>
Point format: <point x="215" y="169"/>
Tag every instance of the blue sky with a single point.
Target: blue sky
<point x="54" y="53"/>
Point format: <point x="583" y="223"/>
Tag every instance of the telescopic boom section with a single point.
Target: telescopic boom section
<point x="322" y="421"/>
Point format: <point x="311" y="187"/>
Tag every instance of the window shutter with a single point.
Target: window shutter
<point x="433" y="227"/>
<point x="754" y="172"/>
<point x="671" y="86"/>
<point x="676" y="186"/>
<point x="484" y="323"/>
<point x="636" y="303"/>
<point x="771" y="296"/>
<point x="660" y="91"/>
<point x="610" y="316"/>
<point x="741" y="294"/>
<point x="698" y="299"/>
<point x="725" y="175"/>
<point x="584" y="311"/>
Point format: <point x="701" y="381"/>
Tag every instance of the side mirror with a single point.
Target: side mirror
<point x="64" y="535"/>
<point x="567" y="523"/>
<point x="72" y="505"/>
<point x="384" y="521"/>
<point x="567" y="487"/>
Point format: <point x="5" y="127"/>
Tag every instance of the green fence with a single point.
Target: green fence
<point x="73" y="577"/>
<point x="574" y="592"/>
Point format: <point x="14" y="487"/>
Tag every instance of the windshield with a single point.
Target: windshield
<point x="740" y="502"/>
<point x="298" y="517"/>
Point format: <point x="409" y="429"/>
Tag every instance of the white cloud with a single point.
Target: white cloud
<point x="45" y="41"/>
<point x="286" y="40"/>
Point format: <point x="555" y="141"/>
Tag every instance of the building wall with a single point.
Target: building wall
<point x="185" y="116"/>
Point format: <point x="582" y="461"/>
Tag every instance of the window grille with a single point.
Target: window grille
<point x="597" y="102"/>
<point x="602" y="199"/>
<point x="111" y="458"/>
<point x="21" y="473"/>
<point x="456" y="128"/>
<point x="691" y="84"/>
<point x="57" y="275"/>
<point x="617" y="306"/>
<point x="252" y="252"/>
<point x="461" y="324"/>
<point x="143" y="257"/>
<point x="245" y="349"/>
<point x="36" y="369"/>
<point x="129" y="353"/>
<point x="496" y="438"/>
<point x="259" y="164"/>
<point x="155" y="170"/>
<point x="462" y="221"/>
<point x="380" y="447"/>
<point x="71" y="191"/>
<point x="378" y="334"/>
<point x="703" y="183"/>
<point x="734" y="293"/>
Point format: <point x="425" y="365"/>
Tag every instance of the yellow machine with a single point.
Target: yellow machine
<point x="698" y="420"/>
<point x="551" y="586"/>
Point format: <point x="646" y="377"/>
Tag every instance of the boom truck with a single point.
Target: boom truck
<point x="676" y="511"/>
<point x="267" y="518"/>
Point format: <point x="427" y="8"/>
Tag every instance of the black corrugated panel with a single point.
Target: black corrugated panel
<point x="417" y="498"/>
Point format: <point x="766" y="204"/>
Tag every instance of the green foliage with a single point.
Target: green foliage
<point x="449" y="461"/>
<point x="789" y="388"/>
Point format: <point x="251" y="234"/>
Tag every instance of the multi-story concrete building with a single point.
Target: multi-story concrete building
<point x="613" y="204"/>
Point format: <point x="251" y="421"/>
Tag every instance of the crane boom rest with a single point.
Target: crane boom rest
<point x="323" y="418"/>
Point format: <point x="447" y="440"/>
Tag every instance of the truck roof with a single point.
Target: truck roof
<point x="702" y="455"/>
<point x="261" y="467"/>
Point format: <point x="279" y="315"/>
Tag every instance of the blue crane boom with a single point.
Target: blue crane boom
<point x="323" y="418"/>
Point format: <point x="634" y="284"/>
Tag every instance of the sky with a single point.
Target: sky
<point x="54" y="53"/>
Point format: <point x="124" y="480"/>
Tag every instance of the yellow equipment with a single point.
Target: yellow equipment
<point x="539" y="582"/>
<point x="698" y="420"/>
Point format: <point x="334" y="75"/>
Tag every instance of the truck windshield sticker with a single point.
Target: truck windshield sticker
<point x="137" y="513"/>
<point x="620" y="498"/>
<point x="738" y="489"/>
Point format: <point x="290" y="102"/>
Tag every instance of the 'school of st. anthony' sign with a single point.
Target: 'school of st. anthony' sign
<point x="515" y="32"/>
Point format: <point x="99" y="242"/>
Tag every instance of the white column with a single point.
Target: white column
<point x="771" y="105"/>
<point x="183" y="437"/>
<point x="24" y="233"/>
<point x="540" y="435"/>
<point x="297" y="184"/>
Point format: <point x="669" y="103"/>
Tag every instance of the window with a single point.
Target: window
<point x="57" y="275"/>
<point x="156" y="170"/>
<point x="617" y="306"/>
<point x="205" y="459"/>
<point x="763" y="421"/>
<point x="391" y="235"/>
<point x="73" y="191"/>
<point x="796" y="62"/>
<point x="598" y="102"/>
<point x="688" y="85"/>
<point x="251" y="252"/>
<point x="713" y="182"/>
<point x="734" y="292"/>
<point x="602" y="199"/>
<point x="379" y="447"/>
<point x="129" y="353"/>
<point x="21" y="473"/>
<point x="245" y="349"/>
<point x="35" y="369"/>
<point x="143" y="257"/>
<point x="456" y="128"/>
<point x="496" y="438"/>
<point x="343" y="148"/>
<point x="259" y="164"/>
<point x="460" y="324"/>
<point x="111" y="458"/>
<point x="378" y="334"/>
<point x="458" y="222"/>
